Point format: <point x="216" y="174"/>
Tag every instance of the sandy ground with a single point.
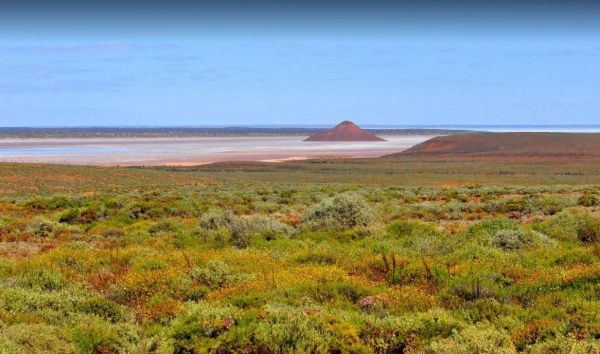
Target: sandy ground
<point x="191" y="151"/>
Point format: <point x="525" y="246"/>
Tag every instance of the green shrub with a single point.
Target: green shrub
<point x="53" y="203"/>
<point x="512" y="240"/>
<point x="485" y="229"/>
<point x="331" y="291"/>
<point x="562" y="344"/>
<point x="9" y="347"/>
<point x="95" y="337"/>
<point x="344" y="211"/>
<point x="575" y="256"/>
<point x="198" y="327"/>
<point x="215" y="219"/>
<point x="548" y="206"/>
<point x="317" y="257"/>
<point x="573" y="225"/>
<point x="163" y="226"/>
<point x="287" y="330"/>
<point x="268" y="228"/>
<point x="113" y="232"/>
<point x="41" y="227"/>
<point x="51" y="307"/>
<point x="588" y="230"/>
<point x="223" y="226"/>
<point x="239" y="233"/>
<point x="588" y="200"/>
<point x="391" y="334"/>
<point x="216" y="274"/>
<point x="44" y="279"/>
<point x="38" y="339"/>
<point x="506" y="234"/>
<point x="196" y="293"/>
<point x="419" y="237"/>
<point x="145" y="264"/>
<point x="478" y="284"/>
<point x="409" y="229"/>
<point x="478" y="339"/>
<point x="90" y="214"/>
<point x="103" y="308"/>
<point x="69" y="215"/>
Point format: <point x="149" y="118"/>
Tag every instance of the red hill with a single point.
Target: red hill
<point x="345" y="131"/>
<point x="509" y="144"/>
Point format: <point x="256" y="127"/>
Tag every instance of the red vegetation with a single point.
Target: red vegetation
<point x="345" y="131"/>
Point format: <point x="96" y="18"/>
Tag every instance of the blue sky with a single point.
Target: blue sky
<point x="374" y="65"/>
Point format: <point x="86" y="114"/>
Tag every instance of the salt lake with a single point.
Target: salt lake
<point x="192" y="151"/>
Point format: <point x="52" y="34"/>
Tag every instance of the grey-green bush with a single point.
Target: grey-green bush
<point x="216" y="274"/>
<point x="478" y="339"/>
<point x="215" y="222"/>
<point x="344" y="211"/>
<point x="511" y="240"/>
<point x="42" y="227"/>
<point x="269" y="229"/>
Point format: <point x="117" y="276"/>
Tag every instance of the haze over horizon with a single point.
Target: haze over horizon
<point x="305" y="63"/>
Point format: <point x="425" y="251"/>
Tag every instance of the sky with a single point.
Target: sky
<point x="234" y="63"/>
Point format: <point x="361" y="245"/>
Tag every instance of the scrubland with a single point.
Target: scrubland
<point x="385" y="257"/>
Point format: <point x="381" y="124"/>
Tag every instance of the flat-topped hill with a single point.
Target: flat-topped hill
<point x="509" y="144"/>
<point x="345" y="131"/>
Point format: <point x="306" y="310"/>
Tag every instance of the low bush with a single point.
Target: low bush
<point x="38" y="339"/>
<point x="408" y="333"/>
<point x="512" y="240"/>
<point x="506" y="234"/>
<point x="164" y="226"/>
<point x="588" y="200"/>
<point x="317" y="257"/>
<point x="485" y="229"/>
<point x="113" y="232"/>
<point x="95" y="337"/>
<point x="224" y="226"/>
<point x="198" y="327"/>
<point x="9" y="347"/>
<point x="103" y="308"/>
<point x="268" y="228"/>
<point x="50" y="307"/>
<point x="239" y="233"/>
<point x="419" y="237"/>
<point x="42" y="227"/>
<point x="409" y="229"/>
<point x="343" y="211"/>
<point x="573" y="225"/>
<point x="216" y="274"/>
<point x="562" y="344"/>
<point x="287" y="329"/>
<point x="69" y="215"/>
<point x="588" y="230"/>
<point x="91" y="214"/>
<point x="478" y="339"/>
<point x="44" y="279"/>
<point x="216" y="219"/>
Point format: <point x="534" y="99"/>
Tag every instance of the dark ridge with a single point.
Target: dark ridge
<point x="509" y="144"/>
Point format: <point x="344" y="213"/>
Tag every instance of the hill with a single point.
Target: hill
<point x="345" y="131"/>
<point x="509" y="145"/>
